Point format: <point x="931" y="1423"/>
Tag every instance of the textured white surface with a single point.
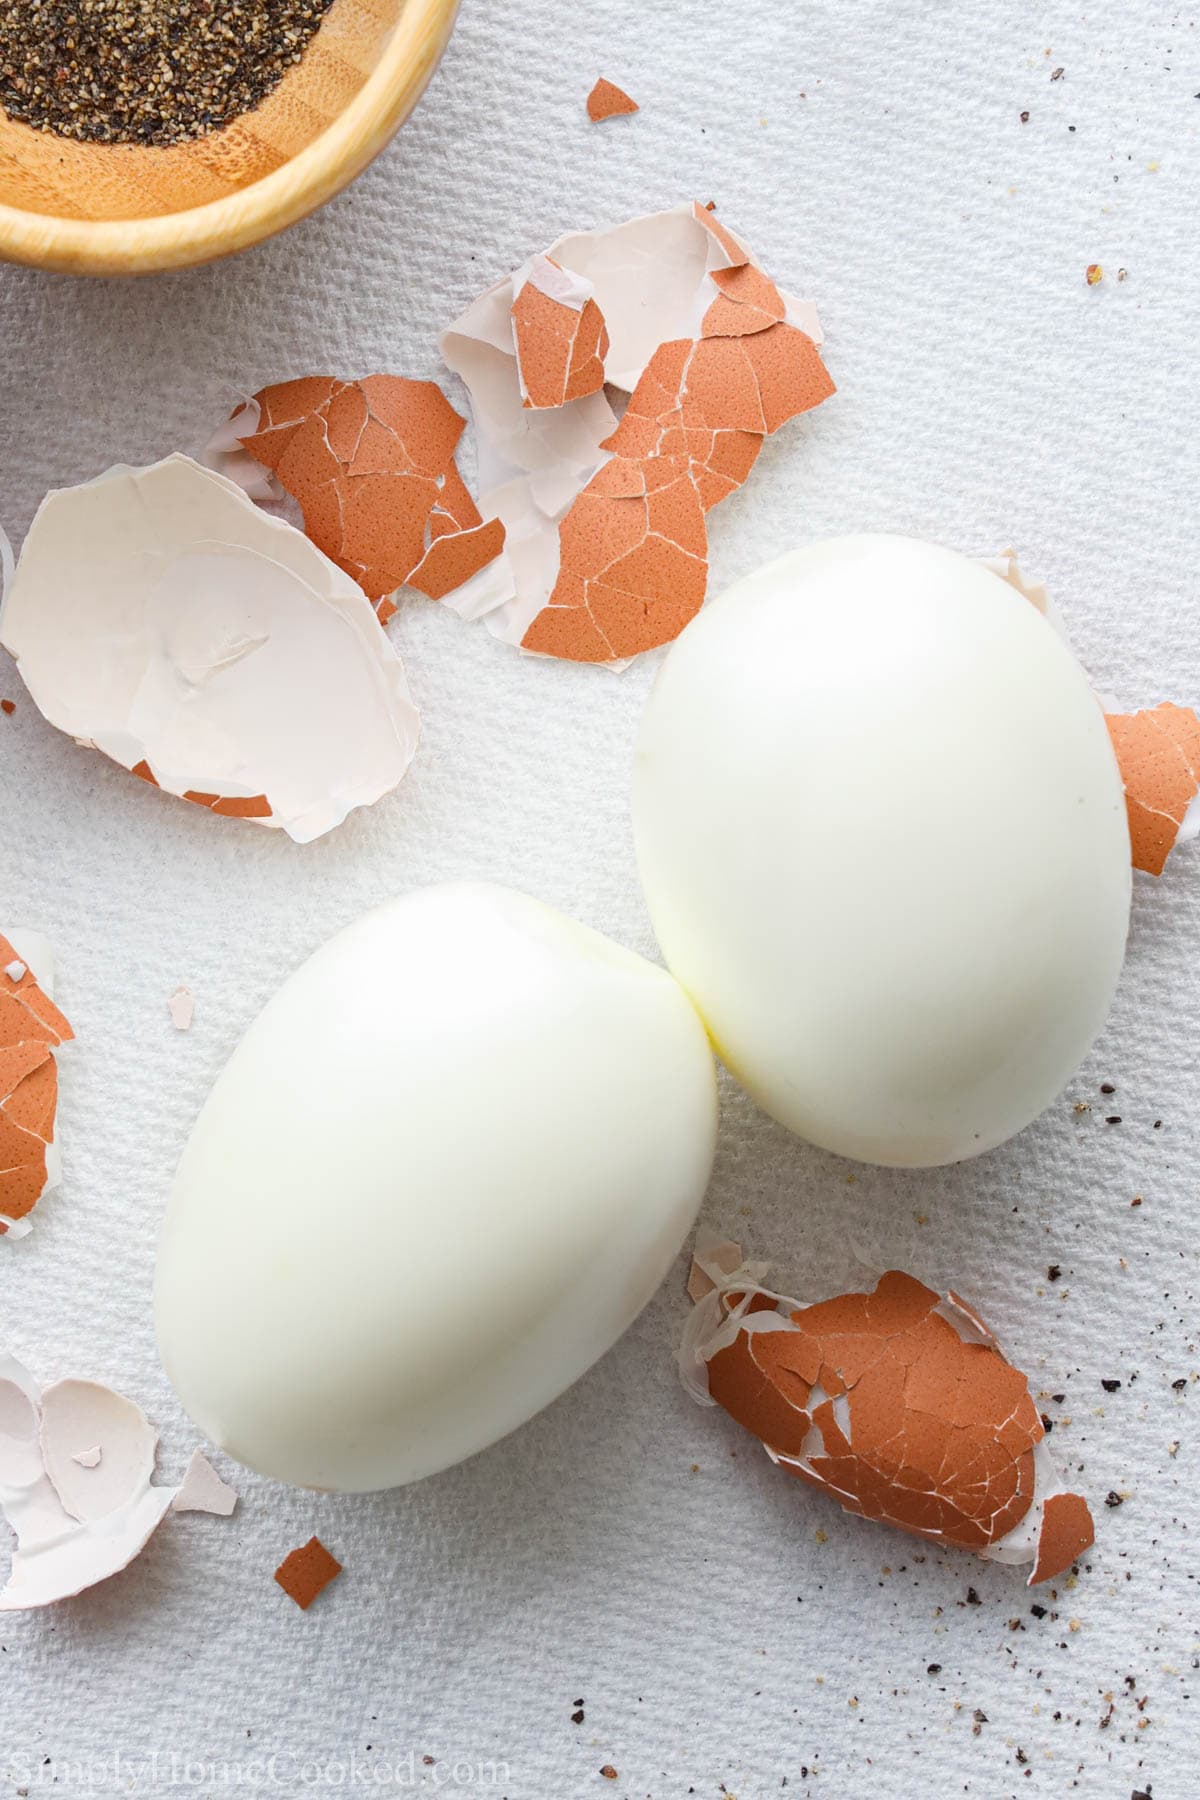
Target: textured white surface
<point x="875" y="158"/>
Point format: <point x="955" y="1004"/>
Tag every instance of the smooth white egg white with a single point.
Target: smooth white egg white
<point x="447" y="1166"/>
<point x="883" y="840"/>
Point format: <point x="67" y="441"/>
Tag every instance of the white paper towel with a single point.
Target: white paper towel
<point x="626" y="1550"/>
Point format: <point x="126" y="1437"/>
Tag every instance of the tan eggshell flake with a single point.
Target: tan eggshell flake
<point x="607" y="549"/>
<point x="608" y="101"/>
<point x="162" y="617"/>
<point x="181" y="1006"/>
<point x="76" y="1468"/>
<point x="898" y="1402"/>
<point x="1158" y="752"/>
<point x="371" y="465"/>
<point x="31" y="1029"/>
<point x="307" y="1572"/>
<point x="1007" y="567"/>
<point x="713" y="1258"/>
<point x="202" y="1489"/>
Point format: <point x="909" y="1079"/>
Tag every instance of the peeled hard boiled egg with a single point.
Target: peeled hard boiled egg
<point x="884" y="845"/>
<point x="444" y="1170"/>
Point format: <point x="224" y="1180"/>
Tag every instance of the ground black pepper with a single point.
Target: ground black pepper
<point x="146" y="71"/>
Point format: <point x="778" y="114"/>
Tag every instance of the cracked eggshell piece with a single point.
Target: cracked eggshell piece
<point x="371" y="465"/>
<point x="32" y="1029"/>
<point x="882" y="836"/>
<point x="202" y="1489"/>
<point x="1158" y="750"/>
<point x="899" y="1403"/>
<point x="559" y="334"/>
<point x="160" y="616"/>
<point x="78" y="1518"/>
<point x="606" y="548"/>
<point x="444" y="1170"/>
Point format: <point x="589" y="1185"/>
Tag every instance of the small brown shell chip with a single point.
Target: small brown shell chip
<point x="1158" y="752"/>
<point x="608" y="101"/>
<point x="306" y="1572"/>
<point x="1067" y="1531"/>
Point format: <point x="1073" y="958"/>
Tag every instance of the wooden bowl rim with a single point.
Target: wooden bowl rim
<point x="200" y="234"/>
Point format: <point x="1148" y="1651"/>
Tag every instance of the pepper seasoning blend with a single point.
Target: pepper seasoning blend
<point x="146" y="71"/>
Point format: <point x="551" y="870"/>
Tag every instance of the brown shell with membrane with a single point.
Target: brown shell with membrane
<point x="1158" y="752"/>
<point x="31" y="1030"/>
<point x="881" y="1400"/>
<point x="633" y="545"/>
<point x="371" y="465"/>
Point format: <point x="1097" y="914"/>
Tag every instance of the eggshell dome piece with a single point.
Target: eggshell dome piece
<point x="883" y="840"/>
<point x="445" y="1169"/>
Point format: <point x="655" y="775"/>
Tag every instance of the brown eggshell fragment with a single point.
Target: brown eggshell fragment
<point x="896" y="1401"/>
<point x="694" y="422"/>
<point x="559" y="335"/>
<point x="1067" y="1531"/>
<point x="253" y="806"/>
<point x="608" y="101"/>
<point x="607" y="552"/>
<point x="749" y="1395"/>
<point x="454" y="557"/>
<point x="31" y="1029"/>
<point x="307" y="1572"/>
<point x="1158" y="752"/>
<point x="735" y="251"/>
<point x="371" y="465"/>
<point x="748" y="301"/>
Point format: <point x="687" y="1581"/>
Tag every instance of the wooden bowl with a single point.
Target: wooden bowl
<point x="128" y="209"/>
